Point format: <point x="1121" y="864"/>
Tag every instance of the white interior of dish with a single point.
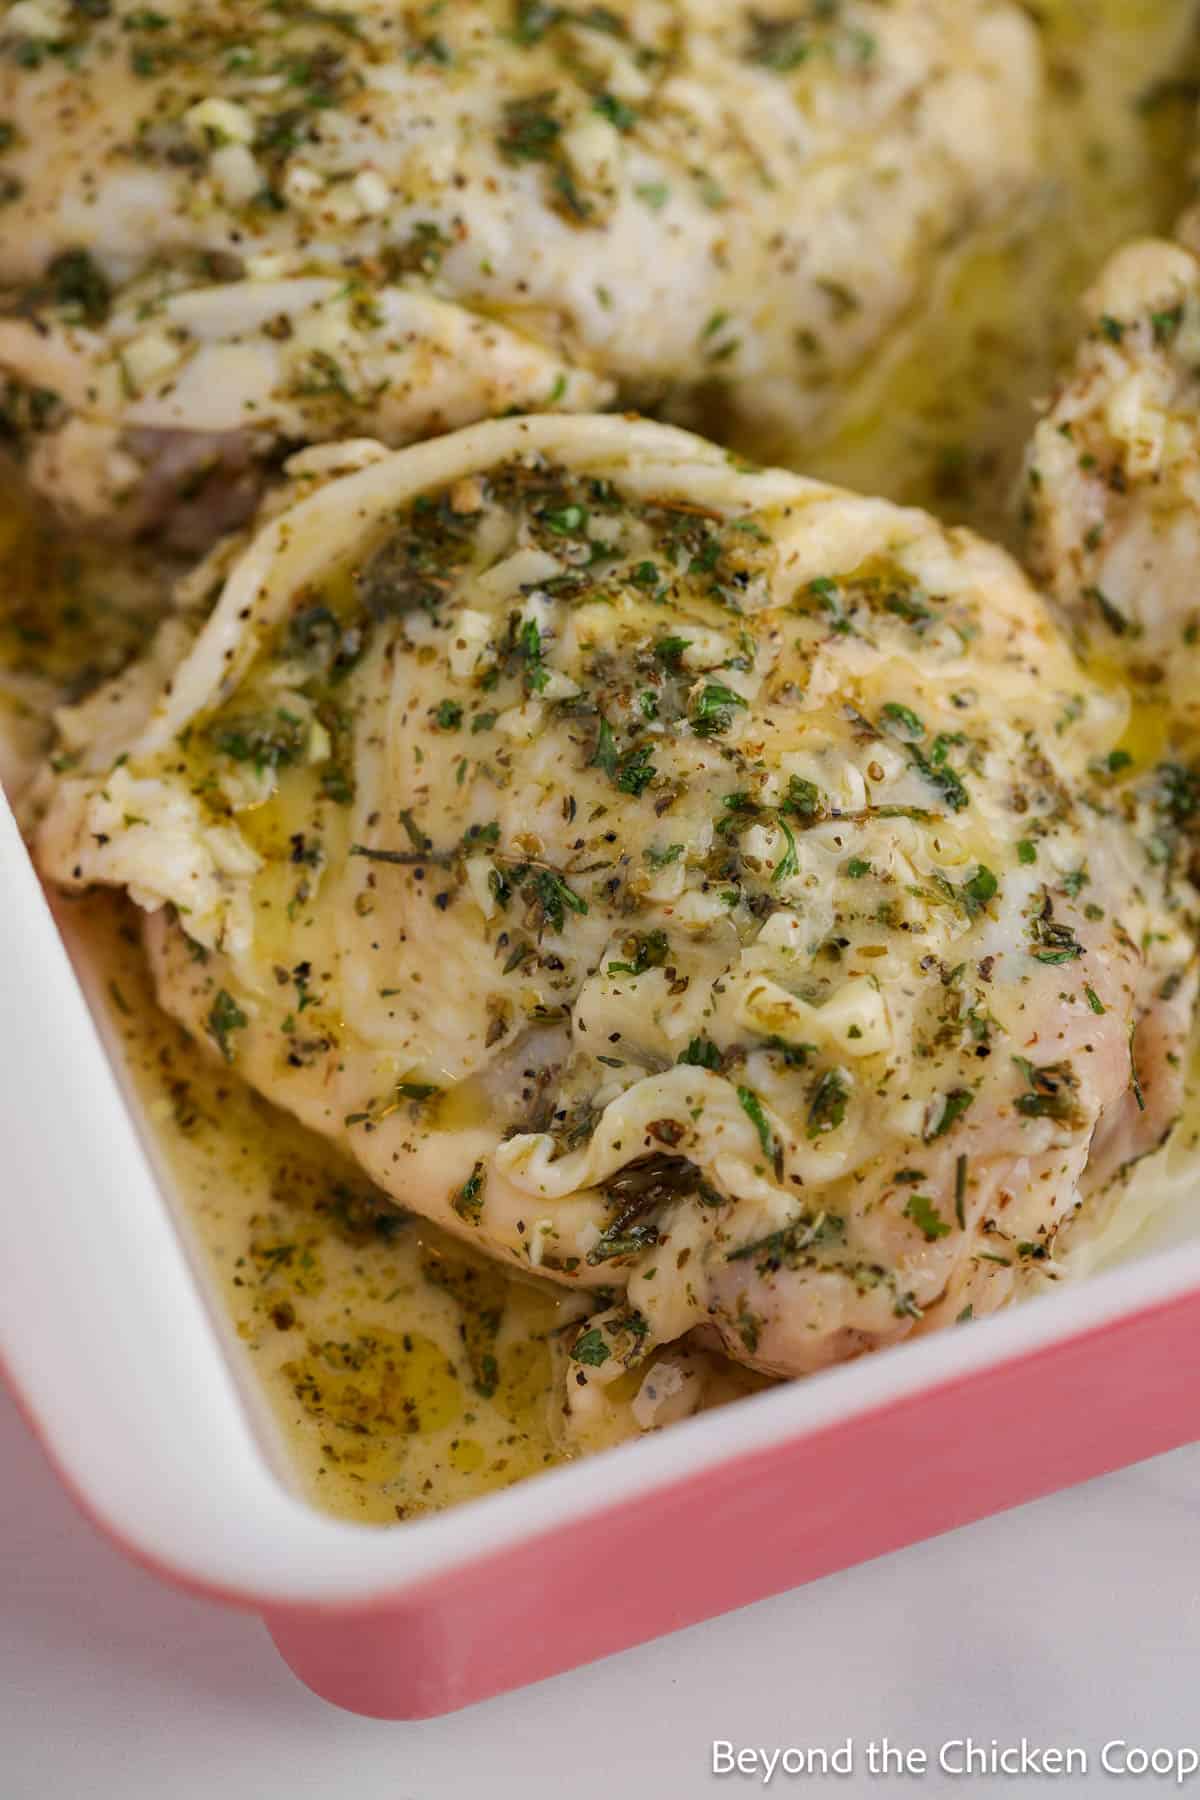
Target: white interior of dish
<point x="132" y="1375"/>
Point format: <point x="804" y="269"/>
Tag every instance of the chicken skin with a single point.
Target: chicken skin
<point x="227" y="229"/>
<point x="697" y="885"/>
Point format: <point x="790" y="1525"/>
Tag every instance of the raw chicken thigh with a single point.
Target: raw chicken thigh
<point x="227" y="228"/>
<point x="693" y="884"/>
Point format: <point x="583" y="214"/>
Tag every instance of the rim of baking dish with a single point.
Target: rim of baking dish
<point x="115" y="1354"/>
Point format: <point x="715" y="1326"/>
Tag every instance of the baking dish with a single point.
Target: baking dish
<point x="135" y="1386"/>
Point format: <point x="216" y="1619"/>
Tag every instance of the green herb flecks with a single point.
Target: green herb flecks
<point x="804" y="800"/>
<point x="669" y="650"/>
<point x="623" y="1241"/>
<point x="591" y="1349"/>
<point x="79" y="287"/>
<point x="269" y="741"/>
<point x="605" y="754"/>
<point x="1134" y="1080"/>
<point x="1052" y="1092"/>
<point x="794" y="1244"/>
<point x="789" y="863"/>
<point x="224" y="1018"/>
<point x="1112" y="615"/>
<point x="752" y="1106"/>
<point x="926" y="1217"/>
<point x="902" y="721"/>
<point x="937" y="772"/>
<point x="530" y="130"/>
<point x="468" y="1201"/>
<point x="712" y="710"/>
<point x="827" y="1104"/>
<point x="645" y="950"/>
<point x="528" y="641"/>
<point x="636" y="771"/>
<point x="945" y="1112"/>
<point x="974" y="895"/>
<point x="1052" y="941"/>
<point x="448" y="715"/>
<point x="555" y="898"/>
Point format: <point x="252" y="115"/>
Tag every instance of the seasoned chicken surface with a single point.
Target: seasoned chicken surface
<point x="701" y="886"/>
<point x="1113" y="481"/>
<point x="228" y="226"/>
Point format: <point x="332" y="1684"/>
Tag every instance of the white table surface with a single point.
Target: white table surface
<point x="1070" y="1622"/>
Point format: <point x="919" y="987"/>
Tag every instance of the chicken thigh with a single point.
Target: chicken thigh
<point x="695" y="884"/>
<point x="229" y="227"/>
<point x="1112" y="495"/>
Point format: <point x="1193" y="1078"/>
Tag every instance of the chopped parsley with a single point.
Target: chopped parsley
<point x="937" y="772"/>
<point x="979" y="890"/>
<point x="529" y="647"/>
<point x="630" y="773"/>
<point x="468" y="1202"/>
<point x="712" y="711"/>
<point x="803" y="798"/>
<point x="555" y="898"/>
<point x="605" y="756"/>
<point x="668" y="650"/>
<point x="79" y="286"/>
<point x="827" y="1103"/>
<point x="615" y="111"/>
<point x="636" y="772"/>
<point x="646" y="950"/>
<point x="591" y="1349"/>
<point x="1165" y="325"/>
<point x="752" y="1106"/>
<point x="789" y="863"/>
<point x="947" y="1110"/>
<point x="530" y="131"/>
<point x="902" y="721"/>
<point x="566" y="521"/>
<point x="926" y="1217"/>
<point x="224" y="1018"/>
<point x="271" y="741"/>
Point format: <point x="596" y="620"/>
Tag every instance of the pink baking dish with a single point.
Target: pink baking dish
<point x="135" y="1387"/>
